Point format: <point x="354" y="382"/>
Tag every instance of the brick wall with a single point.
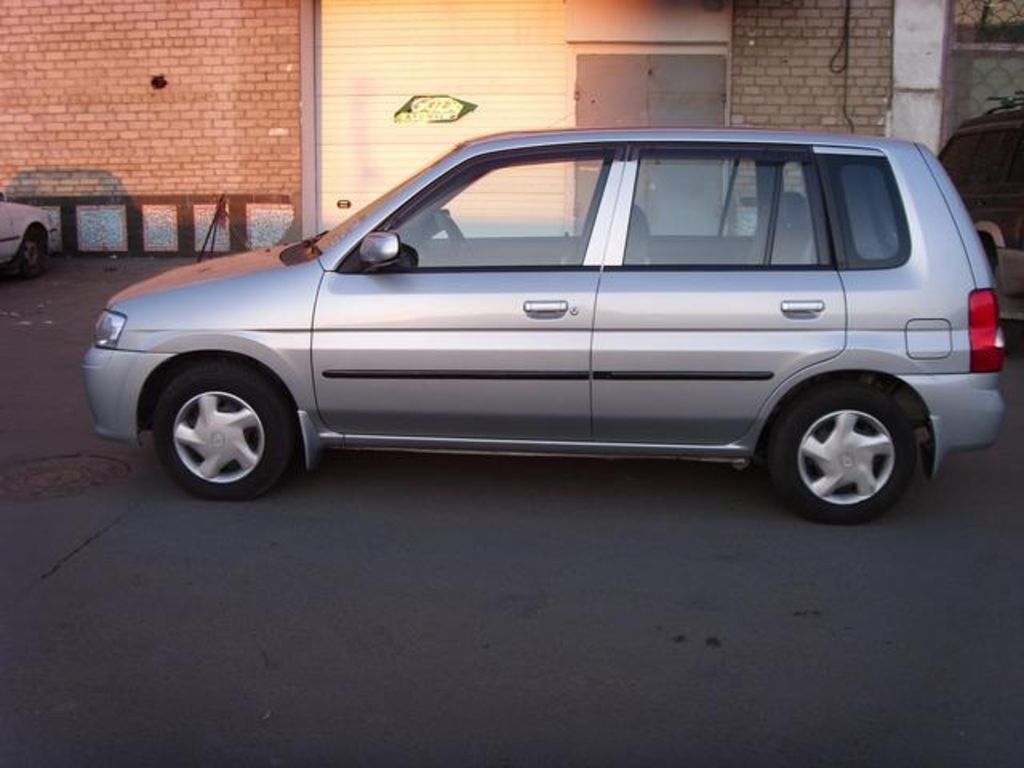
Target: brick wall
<point x="780" y="66"/>
<point x="79" y="116"/>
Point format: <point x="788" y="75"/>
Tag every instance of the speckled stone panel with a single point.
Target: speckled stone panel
<point x="102" y="228"/>
<point x="266" y="224"/>
<point x="202" y="215"/>
<point x="160" y="228"/>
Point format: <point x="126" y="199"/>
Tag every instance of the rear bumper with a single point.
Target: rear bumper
<point x="966" y="410"/>
<point x="113" y="382"/>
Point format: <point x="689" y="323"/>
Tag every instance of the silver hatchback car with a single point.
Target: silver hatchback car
<point x="815" y="302"/>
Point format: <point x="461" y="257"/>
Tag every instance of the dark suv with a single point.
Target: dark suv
<point x="985" y="159"/>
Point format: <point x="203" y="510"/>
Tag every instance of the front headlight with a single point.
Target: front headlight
<point x="108" y="329"/>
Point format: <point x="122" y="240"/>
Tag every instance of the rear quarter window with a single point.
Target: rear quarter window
<point x="867" y="212"/>
<point x="958" y="156"/>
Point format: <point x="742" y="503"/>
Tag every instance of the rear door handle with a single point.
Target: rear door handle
<point x="545" y="310"/>
<point x="803" y="309"/>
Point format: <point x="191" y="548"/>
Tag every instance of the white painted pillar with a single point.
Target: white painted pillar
<point x="309" y="64"/>
<point x="919" y="50"/>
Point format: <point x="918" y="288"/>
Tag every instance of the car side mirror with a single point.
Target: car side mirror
<point x="379" y="249"/>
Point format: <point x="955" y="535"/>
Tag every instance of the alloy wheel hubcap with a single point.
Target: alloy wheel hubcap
<point x="218" y="437"/>
<point x="846" y="457"/>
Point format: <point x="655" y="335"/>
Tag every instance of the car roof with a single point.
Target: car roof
<point x="520" y="139"/>
<point x="1002" y="118"/>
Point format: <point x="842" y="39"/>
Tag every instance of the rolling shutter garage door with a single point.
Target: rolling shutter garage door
<point x="508" y="57"/>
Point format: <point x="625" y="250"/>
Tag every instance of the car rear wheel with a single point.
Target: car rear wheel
<point x="223" y="431"/>
<point x="842" y="455"/>
<point x="32" y="257"/>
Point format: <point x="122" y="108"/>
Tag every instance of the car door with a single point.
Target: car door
<point x="722" y="289"/>
<point x="483" y="329"/>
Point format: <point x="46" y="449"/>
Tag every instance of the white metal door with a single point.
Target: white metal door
<point x="508" y="57"/>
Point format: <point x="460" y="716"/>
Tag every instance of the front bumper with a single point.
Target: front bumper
<point x="113" y="382"/>
<point x="966" y="410"/>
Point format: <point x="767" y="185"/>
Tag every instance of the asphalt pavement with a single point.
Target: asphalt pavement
<point x="436" y="610"/>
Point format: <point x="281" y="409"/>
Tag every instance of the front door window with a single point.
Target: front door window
<point x="526" y="214"/>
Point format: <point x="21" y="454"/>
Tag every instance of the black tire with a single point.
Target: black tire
<point x="233" y="382"/>
<point x="33" y="258"/>
<point x="788" y="468"/>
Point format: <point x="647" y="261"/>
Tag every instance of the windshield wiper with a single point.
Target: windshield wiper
<point x="302" y="250"/>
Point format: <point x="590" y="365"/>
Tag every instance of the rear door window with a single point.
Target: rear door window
<point x="793" y="240"/>
<point x="867" y="211"/>
<point x="1017" y="168"/>
<point x="707" y="210"/>
<point x="989" y="163"/>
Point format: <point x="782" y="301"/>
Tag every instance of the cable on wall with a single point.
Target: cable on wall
<point x="839" y="64"/>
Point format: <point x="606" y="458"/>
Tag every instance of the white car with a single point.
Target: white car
<point x="24" y="238"/>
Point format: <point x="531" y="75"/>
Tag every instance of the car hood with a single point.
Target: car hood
<point x="22" y="210"/>
<point x="219" y="268"/>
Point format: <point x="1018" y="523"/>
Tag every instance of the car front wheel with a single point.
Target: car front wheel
<point x="33" y="258"/>
<point x="223" y="431"/>
<point x="843" y="455"/>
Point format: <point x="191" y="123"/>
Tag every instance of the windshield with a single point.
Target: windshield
<point x="339" y="231"/>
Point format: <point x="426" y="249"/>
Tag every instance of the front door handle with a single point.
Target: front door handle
<point x="545" y="310"/>
<point x="803" y="309"/>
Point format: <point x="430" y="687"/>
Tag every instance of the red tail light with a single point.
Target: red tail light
<point x="987" y="349"/>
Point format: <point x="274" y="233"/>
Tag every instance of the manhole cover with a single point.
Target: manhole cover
<point x="59" y="476"/>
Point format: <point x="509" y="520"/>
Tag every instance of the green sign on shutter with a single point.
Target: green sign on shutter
<point x="433" y="109"/>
